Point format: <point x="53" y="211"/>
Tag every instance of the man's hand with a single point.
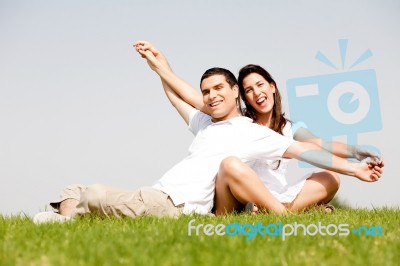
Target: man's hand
<point x="143" y="46"/>
<point x="151" y="59"/>
<point x="361" y="153"/>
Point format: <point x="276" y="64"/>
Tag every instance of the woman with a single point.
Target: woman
<point x="263" y="104"/>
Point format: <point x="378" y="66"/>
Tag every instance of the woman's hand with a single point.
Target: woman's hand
<point x="368" y="172"/>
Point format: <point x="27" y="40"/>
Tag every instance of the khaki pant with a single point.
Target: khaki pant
<point x="107" y="201"/>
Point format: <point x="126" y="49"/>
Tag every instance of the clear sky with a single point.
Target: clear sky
<point x="78" y="105"/>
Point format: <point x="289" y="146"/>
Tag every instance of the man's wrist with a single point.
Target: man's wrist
<point x="352" y="151"/>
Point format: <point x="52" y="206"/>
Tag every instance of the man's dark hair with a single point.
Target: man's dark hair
<point x="229" y="77"/>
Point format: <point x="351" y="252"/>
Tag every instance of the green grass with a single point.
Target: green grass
<point x="163" y="241"/>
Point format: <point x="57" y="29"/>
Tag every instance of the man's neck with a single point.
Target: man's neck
<point x="227" y="117"/>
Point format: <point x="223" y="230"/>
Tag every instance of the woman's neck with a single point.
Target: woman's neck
<point x="264" y="119"/>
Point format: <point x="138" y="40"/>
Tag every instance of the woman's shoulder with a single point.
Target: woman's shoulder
<point x="292" y="126"/>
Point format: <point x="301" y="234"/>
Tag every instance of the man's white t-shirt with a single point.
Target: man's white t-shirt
<point x="192" y="181"/>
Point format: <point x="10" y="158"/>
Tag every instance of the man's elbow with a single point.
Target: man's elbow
<point x="291" y="151"/>
<point x="297" y="148"/>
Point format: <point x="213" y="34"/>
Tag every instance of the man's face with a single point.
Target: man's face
<point x="219" y="98"/>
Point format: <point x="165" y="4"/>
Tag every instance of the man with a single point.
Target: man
<point x="189" y="186"/>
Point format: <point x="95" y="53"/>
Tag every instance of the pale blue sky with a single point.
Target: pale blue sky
<point x="78" y="105"/>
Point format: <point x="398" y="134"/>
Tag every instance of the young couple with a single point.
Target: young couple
<point x="232" y="160"/>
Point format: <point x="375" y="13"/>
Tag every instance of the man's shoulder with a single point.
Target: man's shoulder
<point x="250" y="127"/>
<point x="200" y="116"/>
<point x="198" y="121"/>
<point x="246" y="124"/>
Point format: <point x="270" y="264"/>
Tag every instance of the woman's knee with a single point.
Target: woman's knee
<point x="327" y="179"/>
<point x="333" y="180"/>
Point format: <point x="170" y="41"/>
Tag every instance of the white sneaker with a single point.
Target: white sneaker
<point x="50" y="217"/>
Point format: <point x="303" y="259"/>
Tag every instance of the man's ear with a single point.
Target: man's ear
<point x="235" y="89"/>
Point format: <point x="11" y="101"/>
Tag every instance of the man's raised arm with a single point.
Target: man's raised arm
<point x="159" y="64"/>
<point x="180" y="105"/>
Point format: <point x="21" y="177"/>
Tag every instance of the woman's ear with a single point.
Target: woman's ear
<point x="272" y="86"/>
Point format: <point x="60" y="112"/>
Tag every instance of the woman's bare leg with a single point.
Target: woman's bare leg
<point x="236" y="184"/>
<point x="320" y="188"/>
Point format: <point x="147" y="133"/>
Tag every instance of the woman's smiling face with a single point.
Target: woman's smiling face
<point x="259" y="93"/>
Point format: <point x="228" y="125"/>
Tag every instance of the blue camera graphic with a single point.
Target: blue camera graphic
<point x="339" y="104"/>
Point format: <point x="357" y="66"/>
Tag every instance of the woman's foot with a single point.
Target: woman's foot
<point x="251" y="208"/>
<point x="326" y="207"/>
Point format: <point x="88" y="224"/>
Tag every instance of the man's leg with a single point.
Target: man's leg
<point x="236" y="184"/>
<point x="320" y="188"/>
<point x="64" y="207"/>
<point x="67" y="207"/>
<point x="69" y="198"/>
<point x="107" y="201"/>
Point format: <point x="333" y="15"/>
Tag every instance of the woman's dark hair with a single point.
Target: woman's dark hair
<point x="278" y="120"/>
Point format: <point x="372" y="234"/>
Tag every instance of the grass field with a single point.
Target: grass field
<point x="163" y="241"/>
